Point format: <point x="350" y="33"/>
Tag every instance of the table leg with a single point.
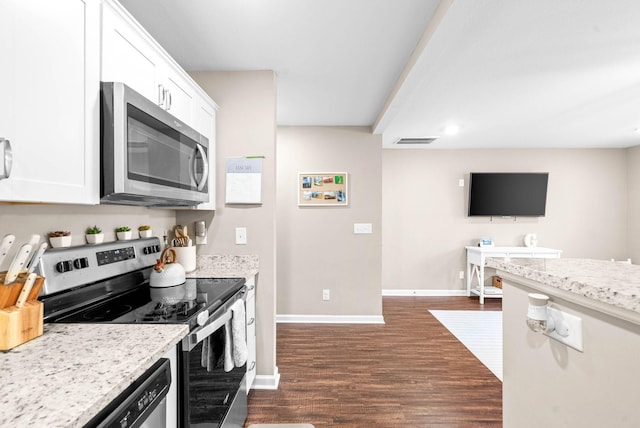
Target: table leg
<point x="469" y="279"/>
<point x="481" y="281"/>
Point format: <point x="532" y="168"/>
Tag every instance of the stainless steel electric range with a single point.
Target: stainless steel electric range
<point x="110" y="283"/>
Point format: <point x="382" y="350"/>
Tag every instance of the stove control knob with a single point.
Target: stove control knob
<point x="202" y="317"/>
<point x="146" y="250"/>
<point x="81" y="263"/>
<point x="64" y="266"/>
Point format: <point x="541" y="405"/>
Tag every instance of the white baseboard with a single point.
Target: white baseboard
<point x="331" y="319"/>
<point x="267" y="381"/>
<point x="425" y="293"/>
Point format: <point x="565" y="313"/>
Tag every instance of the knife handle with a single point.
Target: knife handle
<point x="26" y="289"/>
<point x="18" y="262"/>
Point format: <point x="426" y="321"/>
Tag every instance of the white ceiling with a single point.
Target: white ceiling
<point x="509" y="73"/>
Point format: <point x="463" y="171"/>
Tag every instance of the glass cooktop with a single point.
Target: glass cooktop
<point x="166" y="305"/>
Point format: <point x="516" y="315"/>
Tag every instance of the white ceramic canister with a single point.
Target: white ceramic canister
<point x="186" y="256"/>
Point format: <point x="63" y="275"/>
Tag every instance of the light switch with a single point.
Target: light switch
<point x="362" y="228"/>
<point x="241" y="235"/>
<point x="461" y="182"/>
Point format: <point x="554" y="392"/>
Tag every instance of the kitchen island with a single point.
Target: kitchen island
<point x="66" y="376"/>
<point x="547" y="383"/>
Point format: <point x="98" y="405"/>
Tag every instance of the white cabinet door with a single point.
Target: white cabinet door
<point x="250" y="306"/>
<point x="178" y="97"/>
<point x="126" y="56"/>
<point x="131" y="56"/>
<point x="49" y="92"/>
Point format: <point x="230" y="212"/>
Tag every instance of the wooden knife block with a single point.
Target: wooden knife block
<point x="19" y="325"/>
<point x="9" y="293"/>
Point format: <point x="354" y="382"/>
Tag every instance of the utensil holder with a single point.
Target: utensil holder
<point x="186" y="256"/>
<point x="19" y="325"/>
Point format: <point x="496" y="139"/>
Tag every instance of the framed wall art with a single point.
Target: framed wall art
<point x="322" y="189"/>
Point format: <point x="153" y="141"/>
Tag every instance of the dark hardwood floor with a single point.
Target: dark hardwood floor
<point x="409" y="372"/>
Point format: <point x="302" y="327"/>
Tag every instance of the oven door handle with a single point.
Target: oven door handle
<point x="205" y="331"/>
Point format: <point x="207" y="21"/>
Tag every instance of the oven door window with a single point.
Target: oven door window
<point x="210" y="390"/>
<point x="159" y="154"/>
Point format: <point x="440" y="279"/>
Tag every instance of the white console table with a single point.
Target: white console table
<point x="476" y="257"/>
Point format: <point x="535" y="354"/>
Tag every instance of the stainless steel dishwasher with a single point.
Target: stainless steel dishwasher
<point x="142" y="405"/>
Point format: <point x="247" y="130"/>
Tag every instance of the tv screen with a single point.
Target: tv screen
<point x="508" y="194"/>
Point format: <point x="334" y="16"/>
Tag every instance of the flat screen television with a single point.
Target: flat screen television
<point x="508" y="194"/>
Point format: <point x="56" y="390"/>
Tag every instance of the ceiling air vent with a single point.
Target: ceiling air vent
<point x="414" y="141"/>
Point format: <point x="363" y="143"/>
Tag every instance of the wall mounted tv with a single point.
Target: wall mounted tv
<point x="508" y="194"/>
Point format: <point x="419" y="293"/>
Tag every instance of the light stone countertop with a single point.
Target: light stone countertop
<point x="66" y="376"/>
<point x="603" y="281"/>
<point x="225" y="266"/>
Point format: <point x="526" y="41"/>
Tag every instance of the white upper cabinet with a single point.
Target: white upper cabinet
<point x="126" y="56"/>
<point x="131" y="56"/>
<point x="49" y="101"/>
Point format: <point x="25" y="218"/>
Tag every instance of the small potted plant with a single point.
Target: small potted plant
<point x="123" y="233"/>
<point x="60" y="238"/>
<point x="94" y="235"/>
<point x="145" y="231"/>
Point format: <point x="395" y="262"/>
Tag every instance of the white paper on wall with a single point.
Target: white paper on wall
<point x="244" y="181"/>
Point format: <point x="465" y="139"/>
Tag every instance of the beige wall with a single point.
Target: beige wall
<point x="317" y="247"/>
<point x="23" y="220"/>
<point x="547" y="384"/>
<point x="246" y="126"/>
<point x="633" y="197"/>
<point x="425" y="226"/>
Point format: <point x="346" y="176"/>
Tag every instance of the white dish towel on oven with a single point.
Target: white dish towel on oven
<point x="238" y="326"/>
<point x="228" y="355"/>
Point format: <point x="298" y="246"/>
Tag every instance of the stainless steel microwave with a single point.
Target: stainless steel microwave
<point x="148" y="157"/>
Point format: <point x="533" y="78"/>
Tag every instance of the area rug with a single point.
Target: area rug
<point x="480" y="332"/>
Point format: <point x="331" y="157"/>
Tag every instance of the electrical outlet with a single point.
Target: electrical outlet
<point x="568" y="329"/>
<point x="241" y="235"/>
<point x="461" y="274"/>
<point x="326" y="294"/>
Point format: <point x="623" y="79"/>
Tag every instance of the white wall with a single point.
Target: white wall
<point x="317" y="247"/>
<point x="246" y="126"/>
<point x="23" y="220"/>
<point x="633" y="198"/>
<point x="425" y="226"/>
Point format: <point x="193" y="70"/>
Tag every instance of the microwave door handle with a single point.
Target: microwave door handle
<point x="205" y="167"/>
<point x="205" y="331"/>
